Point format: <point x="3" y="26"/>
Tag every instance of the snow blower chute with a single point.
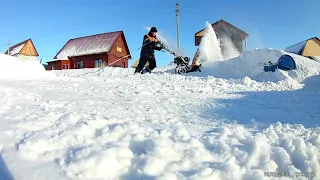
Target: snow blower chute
<point x="181" y="62"/>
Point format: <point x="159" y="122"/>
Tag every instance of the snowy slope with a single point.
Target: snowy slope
<point x="109" y="124"/>
<point x="250" y="64"/>
<point x="12" y="67"/>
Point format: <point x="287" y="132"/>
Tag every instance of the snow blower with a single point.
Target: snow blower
<point x="181" y="62"/>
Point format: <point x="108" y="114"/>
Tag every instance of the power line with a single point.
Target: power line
<point x="133" y="12"/>
<point x="188" y="4"/>
<point x="137" y="14"/>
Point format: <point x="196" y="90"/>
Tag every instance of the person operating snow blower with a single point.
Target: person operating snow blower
<point x="150" y="43"/>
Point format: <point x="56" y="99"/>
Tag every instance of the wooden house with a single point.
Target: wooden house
<point x="308" y="48"/>
<point x="225" y="29"/>
<point x="94" y="51"/>
<point x="24" y="50"/>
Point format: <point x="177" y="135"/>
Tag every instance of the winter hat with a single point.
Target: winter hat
<point x="153" y="29"/>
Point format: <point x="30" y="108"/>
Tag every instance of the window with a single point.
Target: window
<point x="78" y="65"/>
<point x="98" y="63"/>
<point x="81" y="64"/>
<point x="119" y="47"/>
<point x="123" y="64"/>
<point x="65" y="66"/>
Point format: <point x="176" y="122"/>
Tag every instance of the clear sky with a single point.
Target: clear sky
<point x="50" y="24"/>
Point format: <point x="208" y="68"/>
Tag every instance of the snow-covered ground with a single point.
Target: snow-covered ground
<point x="232" y="121"/>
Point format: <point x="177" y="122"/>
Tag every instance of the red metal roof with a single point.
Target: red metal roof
<point x="95" y="44"/>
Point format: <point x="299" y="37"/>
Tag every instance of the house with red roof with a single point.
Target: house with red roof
<point x="95" y="51"/>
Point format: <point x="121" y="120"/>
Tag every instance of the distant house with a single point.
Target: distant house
<point x="308" y="48"/>
<point x="94" y="51"/>
<point x="23" y="50"/>
<point x="225" y="29"/>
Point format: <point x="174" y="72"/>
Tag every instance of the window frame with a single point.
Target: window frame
<point x="98" y="62"/>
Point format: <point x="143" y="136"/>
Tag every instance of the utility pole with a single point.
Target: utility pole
<point x="178" y="25"/>
<point x="9" y="47"/>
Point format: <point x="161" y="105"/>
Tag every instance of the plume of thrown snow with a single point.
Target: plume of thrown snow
<point x="230" y="51"/>
<point x="209" y="47"/>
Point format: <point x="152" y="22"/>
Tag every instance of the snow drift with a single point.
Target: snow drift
<point x="250" y="64"/>
<point x="12" y="67"/>
<point x="155" y="127"/>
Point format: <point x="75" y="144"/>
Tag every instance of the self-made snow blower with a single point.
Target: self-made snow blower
<point x="181" y="62"/>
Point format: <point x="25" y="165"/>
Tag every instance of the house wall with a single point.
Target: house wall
<point x="312" y="48"/>
<point x="117" y="51"/>
<point x="24" y="57"/>
<point x="121" y="63"/>
<point x="28" y="49"/>
<point x="88" y="60"/>
<point x="58" y="64"/>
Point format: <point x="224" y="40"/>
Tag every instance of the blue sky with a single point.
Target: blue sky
<point x="50" y="24"/>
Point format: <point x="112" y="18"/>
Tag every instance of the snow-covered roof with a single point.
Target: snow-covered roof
<point x="95" y="44"/>
<point x="297" y="48"/>
<point x="17" y="48"/>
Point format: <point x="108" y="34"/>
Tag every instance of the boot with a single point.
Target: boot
<point x="146" y="70"/>
<point x="137" y="71"/>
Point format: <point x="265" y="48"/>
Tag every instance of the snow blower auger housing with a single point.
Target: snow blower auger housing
<point x="181" y="62"/>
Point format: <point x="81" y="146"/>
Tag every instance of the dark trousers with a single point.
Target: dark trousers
<point x="142" y="62"/>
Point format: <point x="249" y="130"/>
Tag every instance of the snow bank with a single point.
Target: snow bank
<point x="109" y="124"/>
<point x="251" y="63"/>
<point x="95" y="72"/>
<point x="12" y="67"/>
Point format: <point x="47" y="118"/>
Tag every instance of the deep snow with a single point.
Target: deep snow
<point x="108" y="124"/>
<point x="12" y="67"/>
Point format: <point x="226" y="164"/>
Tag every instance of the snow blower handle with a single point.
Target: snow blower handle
<point x="169" y="50"/>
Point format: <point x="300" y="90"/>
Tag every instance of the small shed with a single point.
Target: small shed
<point x="24" y="50"/>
